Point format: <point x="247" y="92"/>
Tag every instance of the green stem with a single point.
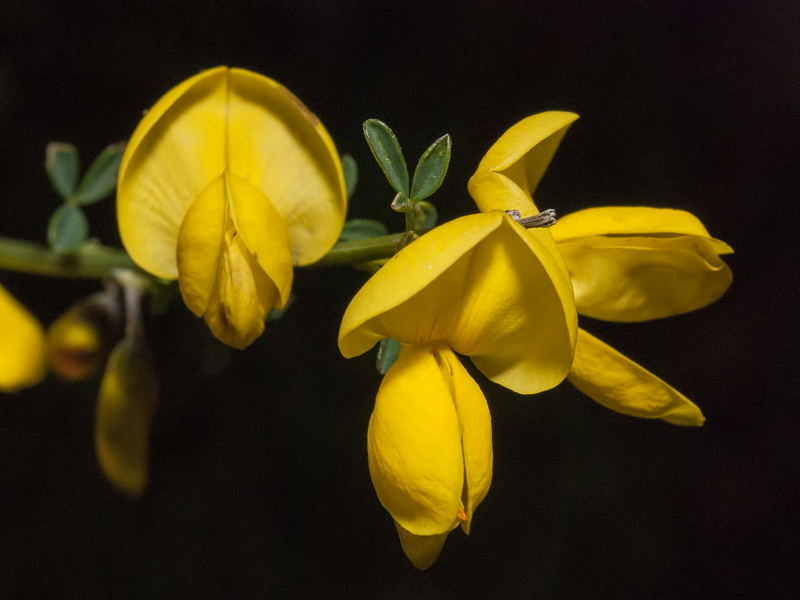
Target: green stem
<point x="91" y="260"/>
<point x="96" y="261"/>
<point x="359" y="251"/>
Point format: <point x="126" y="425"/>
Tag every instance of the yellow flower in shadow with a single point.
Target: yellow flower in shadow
<point x="22" y="345"/>
<point x="626" y="264"/>
<point x="227" y="182"/>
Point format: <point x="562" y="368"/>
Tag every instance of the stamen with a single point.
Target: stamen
<point x="546" y="218"/>
<point x="461" y="514"/>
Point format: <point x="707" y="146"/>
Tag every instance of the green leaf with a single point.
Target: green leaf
<point x="350" y="169"/>
<point x="61" y="163"/>
<point x="431" y="168"/>
<point x="101" y="178"/>
<point x="361" y="229"/>
<point x="425" y="215"/>
<point x="387" y="152"/>
<point x="388" y="349"/>
<point x="67" y="228"/>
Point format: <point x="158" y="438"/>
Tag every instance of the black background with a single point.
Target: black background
<point x="259" y="482"/>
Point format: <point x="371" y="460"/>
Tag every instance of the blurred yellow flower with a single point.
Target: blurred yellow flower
<point x="22" y="347"/>
<point x="479" y="286"/>
<point x="226" y="183"/>
<point x="81" y="339"/>
<point x="626" y="264"/>
<point x="126" y="403"/>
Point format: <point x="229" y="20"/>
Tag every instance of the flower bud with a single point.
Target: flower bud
<point x="80" y="340"/>
<point x="125" y="407"/>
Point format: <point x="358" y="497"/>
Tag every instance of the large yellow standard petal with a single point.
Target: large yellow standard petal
<point x="430" y="448"/>
<point x="618" y="383"/>
<point x="638" y="263"/>
<point x="22" y="345"/>
<point x="481" y="285"/>
<point x="233" y="260"/>
<point x="512" y="168"/>
<point x="228" y="119"/>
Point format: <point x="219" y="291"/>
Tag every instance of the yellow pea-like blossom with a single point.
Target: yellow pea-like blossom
<point x="125" y="406"/>
<point x="227" y="182"/>
<point x="480" y="286"/>
<point x="22" y="345"/>
<point x="626" y="264"/>
<point x="81" y="339"/>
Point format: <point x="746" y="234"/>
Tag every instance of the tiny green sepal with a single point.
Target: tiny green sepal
<point x="350" y="169"/>
<point x="362" y="229"/>
<point x="67" y="229"/>
<point x="101" y="178"/>
<point x="431" y="168"/>
<point x="388" y="350"/>
<point x="61" y="163"/>
<point x="425" y="214"/>
<point x="401" y="203"/>
<point x="386" y="150"/>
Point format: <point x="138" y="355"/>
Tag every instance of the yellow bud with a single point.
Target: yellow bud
<point x="80" y="340"/>
<point x="125" y="407"/>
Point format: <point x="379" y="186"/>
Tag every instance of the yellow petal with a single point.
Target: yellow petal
<point x="476" y="432"/>
<point x="263" y="232"/>
<point x="22" y="348"/>
<point x="618" y="383"/>
<point x="483" y="286"/>
<point x="629" y="279"/>
<point x="282" y="148"/>
<point x="245" y="123"/>
<point x="241" y="298"/>
<point x="219" y="277"/>
<point x="125" y="406"/>
<point x="414" y="445"/>
<point x="200" y="244"/>
<point x="512" y="168"/>
<point x="174" y="153"/>
<point x="638" y="263"/>
<point x="421" y="550"/>
<point x="632" y="221"/>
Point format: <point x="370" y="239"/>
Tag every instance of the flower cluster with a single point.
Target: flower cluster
<point x="229" y="182"/>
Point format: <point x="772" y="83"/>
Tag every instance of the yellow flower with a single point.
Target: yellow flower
<point x="80" y="340"/>
<point x="22" y="350"/>
<point x="125" y="406"/>
<point x="480" y="286"/>
<point x="226" y="183"/>
<point x="626" y="264"/>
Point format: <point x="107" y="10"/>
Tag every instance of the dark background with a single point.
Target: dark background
<point x="259" y="481"/>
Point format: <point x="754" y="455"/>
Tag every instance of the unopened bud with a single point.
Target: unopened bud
<point x="125" y="407"/>
<point x="80" y="340"/>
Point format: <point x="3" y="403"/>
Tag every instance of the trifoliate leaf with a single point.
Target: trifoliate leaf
<point x="61" y="163"/>
<point x="387" y="152"/>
